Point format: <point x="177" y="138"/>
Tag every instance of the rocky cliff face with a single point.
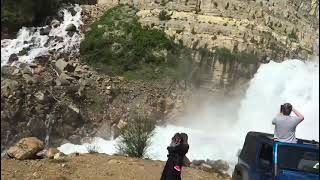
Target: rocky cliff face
<point x="278" y="29"/>
<point x="275" y="30"/>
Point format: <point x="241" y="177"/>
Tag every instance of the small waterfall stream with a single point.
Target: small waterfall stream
<point x="32" y="42"/>
<point x="48" y="123"/>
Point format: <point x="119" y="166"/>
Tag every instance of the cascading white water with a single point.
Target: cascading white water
<point x="37" y="45"/>
<point x="48" y="122"/>
<point x="217" y="130"/>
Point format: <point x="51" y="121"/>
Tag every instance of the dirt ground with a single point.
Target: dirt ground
<point x="93" y="166"/>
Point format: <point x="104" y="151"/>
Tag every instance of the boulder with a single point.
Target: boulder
<point x="61" y="66"/>
<point x="23" y="52"/>
<point x="71" y="28"/>
<point x="29" y="79"/>
<point x="55" y="23"/>
<point x="26" y="148"/>
<point x="63" y="80"/>
<point x="45" y="31"/>
<point x="104" y="131"/>
<point x="9" y="84"/>
<point x="13" y="58"/>
<point x="8" y="70"/>
<point x="75" y="139"/>
<point x="40" y="96"/>
<point x="26" y="70"/>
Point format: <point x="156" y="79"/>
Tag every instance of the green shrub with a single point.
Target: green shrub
<point x="119" y="45"/>
<point x="164" y="16"/>
<point x="248" y="57"/>
<point x="225" y="55"/>
<point x="135" y="137"/>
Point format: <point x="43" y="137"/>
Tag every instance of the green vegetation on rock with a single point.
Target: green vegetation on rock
<point x="164" y="16"/>
<point x="245" y="57"/>
<point x="119" y="45"/>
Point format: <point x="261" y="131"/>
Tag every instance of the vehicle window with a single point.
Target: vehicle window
<point x="298" y="159"/>
<point x="265" y="156"/>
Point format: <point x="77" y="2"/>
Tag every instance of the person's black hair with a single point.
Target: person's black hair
<point x="286" y="109"/>
<point x="184" y="138"/>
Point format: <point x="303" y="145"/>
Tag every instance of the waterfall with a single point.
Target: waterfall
<point x="49" y="121"/>
<point x="32" y="42"/>
<point x="217" y="129"/>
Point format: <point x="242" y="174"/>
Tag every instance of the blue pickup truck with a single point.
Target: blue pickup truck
<point x="262" y="158"/>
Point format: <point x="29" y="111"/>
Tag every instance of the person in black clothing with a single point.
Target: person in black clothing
<point x="177" y="151"/>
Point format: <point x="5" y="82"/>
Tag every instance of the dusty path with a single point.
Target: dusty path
<point x="92" y="166"/>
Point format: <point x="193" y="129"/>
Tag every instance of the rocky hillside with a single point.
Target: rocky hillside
<point x="262" y="29"/>
<point x="67" y="101"/>
<point x="94" y="166"/>
<point x="278" y="29"/>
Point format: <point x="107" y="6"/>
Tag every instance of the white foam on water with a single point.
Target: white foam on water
<point x="217" y="130"/>
<point x="97" y="143"/>
<point x="38" y="45"/>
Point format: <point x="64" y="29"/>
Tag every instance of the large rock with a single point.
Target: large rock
<point x="75" y="139"/>
<point x="45" y="31"/>
<point x="7" y="70"/>
<point x="61" y="66"/>
<point x="9" y="84"/>
<point x="40" y="96"/>
<point x="26" y="148"/>
<point x="55" y="23"/>
<point x="104" y="131"/>
<point x="29" y="79"/>
<point x="71" y="28"/>
<point x="13" y="58"/>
